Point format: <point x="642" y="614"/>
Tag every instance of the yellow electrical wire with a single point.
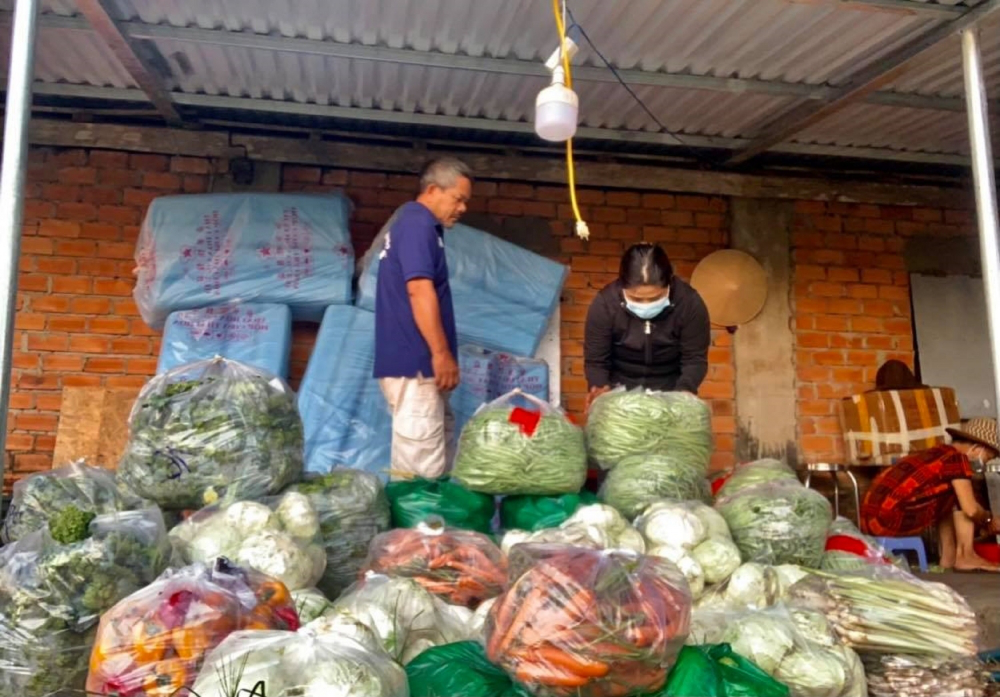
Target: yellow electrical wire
<point x="570" y="168"/>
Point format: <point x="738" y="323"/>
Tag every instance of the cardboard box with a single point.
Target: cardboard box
<point x="880" y="427"/>
<point x="93" y="425"/>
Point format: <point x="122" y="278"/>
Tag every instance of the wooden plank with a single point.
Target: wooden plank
<point x="93" y="425"/>
<point x="541" y="169"/>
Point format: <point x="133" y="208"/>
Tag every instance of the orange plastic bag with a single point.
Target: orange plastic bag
<point x="462" y="567"/>
<point x="152" y="643"/>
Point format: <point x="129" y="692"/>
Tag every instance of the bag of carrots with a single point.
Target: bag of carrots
<point x="152" y="643"/>
<point x="459" y="566"/>
<point x="589" y="623"/>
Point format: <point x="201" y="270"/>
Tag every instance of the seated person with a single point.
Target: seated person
<point x="934" y="487"/>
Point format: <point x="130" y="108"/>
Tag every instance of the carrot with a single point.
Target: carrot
<point x="528" y="605"/>
<point x="574" y="663"/>
<point x="548" y="676"/>
<point x="644" y="635"/>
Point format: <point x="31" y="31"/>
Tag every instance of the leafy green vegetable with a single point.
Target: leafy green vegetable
<point x="639" y="480"/>
<point x="415" y="501"/>
<point x="52" y="596"/>
<point x="71" y="525"/>
<point x="38" y="497"/>
<point x="624" y="423"/>
<point x="353" y="509"/>
<point x="778" y="523"/>
<point x="210" y="430"/>
<point x="533" y="513"/>
<point x="757" y="472"/>
<point x="506" y="450"/>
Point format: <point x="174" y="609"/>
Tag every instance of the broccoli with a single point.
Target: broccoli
<point x="71" y="525"/>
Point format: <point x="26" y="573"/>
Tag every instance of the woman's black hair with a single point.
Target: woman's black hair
<point x="645" y="265"/>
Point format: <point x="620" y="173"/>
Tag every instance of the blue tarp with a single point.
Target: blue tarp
<point x="213" y="249"/>
<point x="346" y="418"/>
<point x="255" y="334"/>
<point x="504" y="295"/>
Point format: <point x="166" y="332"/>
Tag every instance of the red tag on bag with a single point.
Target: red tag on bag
<point x="845" y="543"/>
<point x="718" y="484"/>
<point x="526" y="420"/>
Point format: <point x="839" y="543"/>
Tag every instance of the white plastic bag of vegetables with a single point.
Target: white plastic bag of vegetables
<point x="623" y="423"/>
<point x="55" y="583"/>
<point x="639" y="480"/>
<point x="595" y="527"/>
<point x="778" y="522"/>
<point x="279" y="537"/>
<point x="209" y="430"/>
<point x="405" y="618"/>
<point x="38" y="497"/>
<point x="506" y="449"/>
<point x="797" y="648"/>
<point x="298" y="664"/>
<point x="353" y="509"/>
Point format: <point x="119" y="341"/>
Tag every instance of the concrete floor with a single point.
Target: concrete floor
<point x="982" y="591"/>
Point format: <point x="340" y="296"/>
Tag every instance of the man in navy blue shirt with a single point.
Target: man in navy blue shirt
<point x="415" y="338"/>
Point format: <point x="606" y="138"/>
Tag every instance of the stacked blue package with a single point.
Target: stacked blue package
<point x="255" y="334"/>
<point x="478" y="369"/>
<point x="346" y="418"/>
<point x="212" y="249"/>
<point x="504" y="295"/>
<point x="530" y="375"/>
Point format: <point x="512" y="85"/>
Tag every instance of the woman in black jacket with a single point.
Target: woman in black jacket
<point x="647" y="329"/>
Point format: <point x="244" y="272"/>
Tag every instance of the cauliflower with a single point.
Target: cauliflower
<point x="477" y="626"/>
<point x="298" y="516"/>
<point x="212" y="541"/>
<point x="249" y="517"/>
<point x="632" y="539"/>
<point x="310" y="604"/>
<point x="763" y="639"/>
<point x="788" y="576"/>
<point x="752" y="585"/>
<point x="691" y="569"/>
<point x="598" y="516"/>
<point x="719" y="557"/>
<point x="715" y="524"/>
<point x="341" y="623"/>
<point x="513" y="537"/>
<point x="596" y="526"/>
<point x="814" y="627"/>
<point x="673" y="524"/>
<point x="815" y="673"/>
<point x="277" y="555"/>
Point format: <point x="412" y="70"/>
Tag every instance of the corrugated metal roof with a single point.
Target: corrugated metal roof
<point x="819" y="43"/>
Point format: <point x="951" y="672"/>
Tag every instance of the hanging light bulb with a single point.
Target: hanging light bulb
<point x="557" y="107"/>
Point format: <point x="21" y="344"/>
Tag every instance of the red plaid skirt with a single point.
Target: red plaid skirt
<point x="915" y="493"/>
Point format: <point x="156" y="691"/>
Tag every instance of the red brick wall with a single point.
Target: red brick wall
<point x="851" y="299"/>
<point x="77" y="324"/>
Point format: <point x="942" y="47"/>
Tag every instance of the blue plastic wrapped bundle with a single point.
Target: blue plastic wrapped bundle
<point x="478" y="368"/>
<point x="346" y="418"/>
<point x="213" y="249"/>
<point x="257" y="335"/>
<point x="504" y="295"/>
<point x="530" y="375"/>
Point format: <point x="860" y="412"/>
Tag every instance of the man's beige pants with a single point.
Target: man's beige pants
<point x="423" y="427"/>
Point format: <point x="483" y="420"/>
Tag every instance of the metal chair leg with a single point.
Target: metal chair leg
<point x="857" y="496"/>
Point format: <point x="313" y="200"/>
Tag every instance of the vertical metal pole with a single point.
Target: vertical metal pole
<point x="986" y="191"/>
<point x="12" y="176"/>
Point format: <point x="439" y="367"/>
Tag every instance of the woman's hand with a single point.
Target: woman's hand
<point x="594" y="393"/>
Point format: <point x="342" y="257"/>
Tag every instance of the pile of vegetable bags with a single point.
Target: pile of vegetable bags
<point x="152" y="644"/>
<point x="796" y="647"/>
<point x="38" y="497"/>
<point x="462" y="567"/>
<point x="506" y="449"/>
<point x="776" y="521"/>
<point x="209" y="430"/>
<point x="352" y="508"/>
<point x="694" y="537"/>
<point x="594" y="527"/>
<point x="399" y="614"/>
<point x="279" y="537"/>
<point x="305" y="663"/>
<point x="56" y="582"/>
<point x="414" y="501"/>
<point x="656" y="445"/>
<point x="588" y="623"/>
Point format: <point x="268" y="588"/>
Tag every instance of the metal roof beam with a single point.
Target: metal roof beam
<point x="501" y="66"/>
<point x="930" y="9"/>
<point x="275" y="106"/>
<point x="862" y="84"/>
<point x="109" y="30"/>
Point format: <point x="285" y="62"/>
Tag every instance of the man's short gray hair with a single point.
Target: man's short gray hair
<point x="444" y="172"/>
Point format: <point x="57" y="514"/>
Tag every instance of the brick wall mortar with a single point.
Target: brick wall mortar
<point x="77" y="325"/>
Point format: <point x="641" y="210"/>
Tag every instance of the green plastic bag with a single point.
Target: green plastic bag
<point x="414" y="501"/>
<point x="459" y="669"/>
<point x="532" y="513"/>
<point x="716" y="671"/>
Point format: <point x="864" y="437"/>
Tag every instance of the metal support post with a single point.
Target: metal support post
<point x="12" y="176"/>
